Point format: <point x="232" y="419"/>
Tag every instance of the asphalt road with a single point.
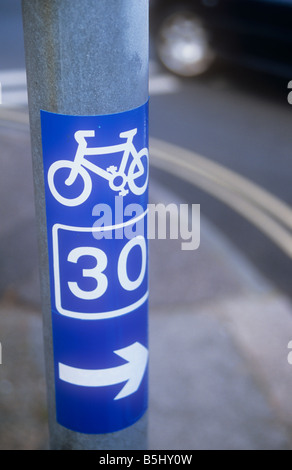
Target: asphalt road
<point x="242" y="121"/>
<point x="11" y="36"/>
<point x="232" y="117"/>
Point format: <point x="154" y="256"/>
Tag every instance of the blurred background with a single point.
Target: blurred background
<point x="221" y="316"/>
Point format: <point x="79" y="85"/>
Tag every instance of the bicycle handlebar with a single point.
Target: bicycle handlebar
<point x="81" y="135"/>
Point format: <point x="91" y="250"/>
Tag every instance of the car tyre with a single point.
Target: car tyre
<point x="183" y="44"/>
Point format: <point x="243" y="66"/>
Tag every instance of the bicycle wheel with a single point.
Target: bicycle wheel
<point x="83" y="193"/>
<point x="138" y="174"/>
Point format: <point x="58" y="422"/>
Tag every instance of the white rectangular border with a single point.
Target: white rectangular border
<point x="56" y="272"/>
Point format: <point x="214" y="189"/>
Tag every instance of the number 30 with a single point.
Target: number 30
<point x="97" y="272"/>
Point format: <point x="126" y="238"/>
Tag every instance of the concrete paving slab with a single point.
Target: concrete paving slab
<point x="23" y="410"/>
<point x="261" y="326"/>
<point x="203" y="395"/>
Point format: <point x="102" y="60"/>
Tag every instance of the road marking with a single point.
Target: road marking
<point x="163" y="84"/>
<point x="14" y="88"/>
<point x="268" y="213"/>
<point x="15" y="77"/>
<point x="14" y="85"/>
<point x="14" y="98"/>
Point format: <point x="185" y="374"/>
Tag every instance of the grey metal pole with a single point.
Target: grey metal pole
<point x="84" y="58"/>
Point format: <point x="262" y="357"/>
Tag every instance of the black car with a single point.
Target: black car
<point x="189" y="35"/>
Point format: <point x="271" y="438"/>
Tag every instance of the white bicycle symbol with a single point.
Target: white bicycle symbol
<point x="117" y="177"/>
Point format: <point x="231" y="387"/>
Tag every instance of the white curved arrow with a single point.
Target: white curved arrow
<point x="133" y="372"/>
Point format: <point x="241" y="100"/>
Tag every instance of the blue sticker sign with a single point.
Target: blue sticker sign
<point x="96" y="190"/>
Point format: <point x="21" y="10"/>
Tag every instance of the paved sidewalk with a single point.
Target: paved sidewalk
<point x="219" y="335"/>
<point x="219" y="375"/>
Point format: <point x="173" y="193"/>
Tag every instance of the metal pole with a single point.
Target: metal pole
<point x="84" y="58"/>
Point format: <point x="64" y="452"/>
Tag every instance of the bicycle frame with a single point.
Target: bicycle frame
<point x="83" y="150"/>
